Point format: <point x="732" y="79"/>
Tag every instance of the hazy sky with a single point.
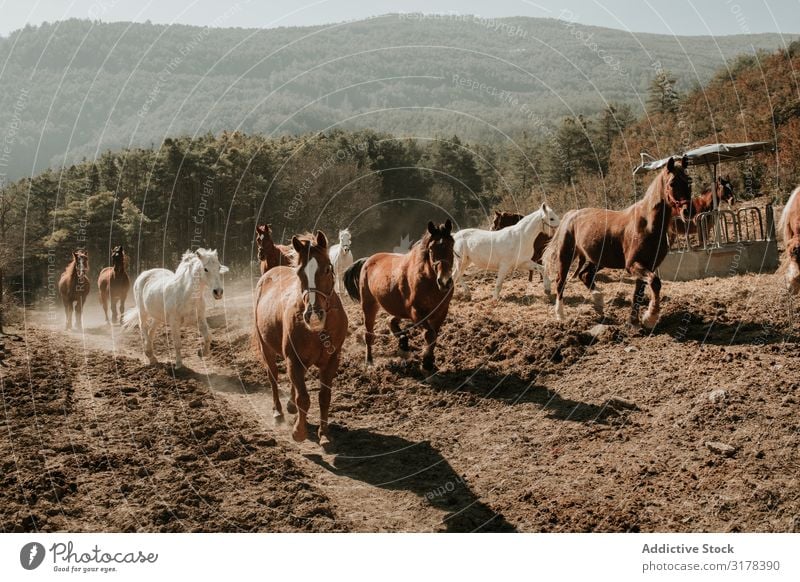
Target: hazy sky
<point x="717" y="17"/>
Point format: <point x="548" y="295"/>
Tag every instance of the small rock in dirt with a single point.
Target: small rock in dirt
<point x="227" y="454"/>
<point x="621" y="403"/>
<point x="630" y="349"/>
<point x="721" y="448"/>
<point x="718" y="395"/>
<point x="196" y="403"/>
<point x="760" y="455"/>
<point x="268" y="442"/>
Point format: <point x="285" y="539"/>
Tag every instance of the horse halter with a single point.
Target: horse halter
<point x="326" y="296"/>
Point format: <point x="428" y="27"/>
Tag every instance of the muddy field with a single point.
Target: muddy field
<point x="529" y="425"/>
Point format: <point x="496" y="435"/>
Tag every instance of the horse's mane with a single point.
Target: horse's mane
<point x="189" y="255"/>
<point x="70" y="270"/>
<point x="783" y="224"/>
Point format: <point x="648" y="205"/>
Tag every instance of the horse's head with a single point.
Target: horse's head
<point x="118" y="257"/>
<point x="345" y="240"/>
<point x="263" y="240"/>
<point x="438" y="248"/>
<point x="725" y="190"/>
<point x="81" y="259"/>
<point x="504" y="219"/>
<point x="793" y="272"/>
<point x="212" y="269"/>
<point x="550" y="219"/>
<point x="677" y="185"/>
<point x="316" y="278"/>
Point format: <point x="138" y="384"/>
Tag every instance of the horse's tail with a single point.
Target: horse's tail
<point x="563" y="236"/>
<point x="352" y="279"/>
<point x="130" y="319"/>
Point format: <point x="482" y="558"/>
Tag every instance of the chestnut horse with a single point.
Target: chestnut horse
<point x="299" y="316"/>
<point x="114" y="284"/>
<point x="634" y="239"/>
<point x="269" y="254"/>
<point x="686" y="222"/>
<point x="789" y="226"/>
<point x="74" y="287"/>
<point x="417" y="286"/>
<point x="506" y="219"/>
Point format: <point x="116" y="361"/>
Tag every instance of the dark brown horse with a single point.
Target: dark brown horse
<point x="634" y="239"/>
<point x="506" y="219"/>
<point x="114" y="284"/>
<point x="74" y="287"/>
<point x="299" y="316"/>
<point x="417" y="286"/>
<point x="686" y="222"/>
<point x="269" y="254"/>
<point x="790" y="228"/>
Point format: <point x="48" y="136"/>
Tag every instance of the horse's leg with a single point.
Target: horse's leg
<point x="175" y="330"/>
<point x="268" y="355"/>
<point x="638" y="299"/>
<point x="402" y="337"/>
<point x="534" y="266"/>
<point x="370" y="308"/>
<point x="502" y="273"/>
<point x="458" y="277"/>
<point x="79" y="313"/>
<point x="431" y="333"/>
<point x="114" y="315"/>
<point x="587" y="275"/>
<point x="202" y="325"/>
<point x="104" y="301"/>
<point x="297" y="375"/>
<point x="326" y="376"/>
<point x="650" y="317"/>
<point x="68" y="313"/>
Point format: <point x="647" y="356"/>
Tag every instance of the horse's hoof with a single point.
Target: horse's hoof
<point x="277" y="416"/>
<point x="300" y="433"/>
<point x="291" y="407"/>
<point x="404" y="354"/>
<point x="650" y="320"/>
<point x="178" y="366"/>
<point x="324" y="441"/>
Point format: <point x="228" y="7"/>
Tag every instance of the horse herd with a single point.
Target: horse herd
<point x="299" y="315"/>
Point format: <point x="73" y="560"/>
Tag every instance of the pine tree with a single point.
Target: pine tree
<point x="662" y="96"/>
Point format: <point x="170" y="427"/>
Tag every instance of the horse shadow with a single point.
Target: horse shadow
<point x="512" y="389"/>
<point x="686" y="326"/>
<point x="229" y="384"/>
<point x="394" y="463"/>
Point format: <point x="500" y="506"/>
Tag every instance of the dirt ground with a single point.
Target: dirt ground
<point x="529" y="425"/>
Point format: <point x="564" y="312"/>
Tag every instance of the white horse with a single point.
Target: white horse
<point x="503" y="250"/>
<point x="341" y="258"/>
<point x="165" y="297"/>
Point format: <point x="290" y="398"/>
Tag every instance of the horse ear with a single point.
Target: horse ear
<point x="261" y="228"/>
<point x="432" y="227"/>
<point x="497" y="213"/>
<point x="322" y="240"/>
<point x="448" y="226"/>
<point x="298" y="245"/>
<point x="671" y="165"/>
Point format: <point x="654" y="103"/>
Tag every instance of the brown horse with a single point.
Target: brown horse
<point x="634" y="239"/>
<point x="686" y="222"/>
<point x="269" y="254"/>
<point x="417" y="286"/>
<point x="299" y="316"/>
<point x="506" y="219"/>
<point x="74" y="287"/>
<point x="790" y="228"/>
<point x="114" y="284"/>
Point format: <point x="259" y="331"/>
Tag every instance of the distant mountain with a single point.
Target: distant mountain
<point x="71" y="89"/>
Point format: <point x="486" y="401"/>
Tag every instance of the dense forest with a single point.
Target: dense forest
<point x="75" y="88"/>
<point x="212" y="189"/>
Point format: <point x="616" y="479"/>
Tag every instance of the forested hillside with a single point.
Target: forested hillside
<point x="75" y="88"/>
